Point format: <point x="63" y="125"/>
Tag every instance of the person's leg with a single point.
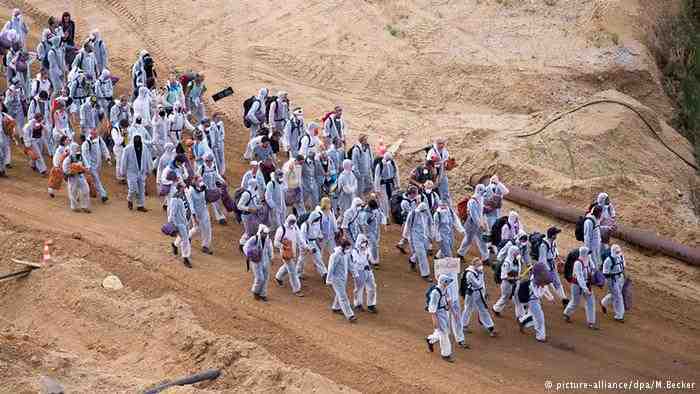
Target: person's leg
<point x="538" y="316"/>
<point x="573" y="300"/>
<point x="506" y="291"/>
<point x="617" y="300"/>
<point x="343" y="301"/>
<point x="371" y="286"/>
<point x="590" y="308"/>
<point x="140" y="192"/>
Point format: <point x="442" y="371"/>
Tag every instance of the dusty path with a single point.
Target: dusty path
<point x="384" y="352"/>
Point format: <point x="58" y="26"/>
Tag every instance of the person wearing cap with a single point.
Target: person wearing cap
<point x="473" y="289"/>
<point x="218" y="135"/>
<point x="362" y="159"/>
<point x="409" y="202"/>
<point x="346" y="185"/>
<point x="438" y="307"/>
<point x="386" y="181"/>
<point x="195" y="91"/>
<point x="180" y="215"/>
<point x="136" y="164"/>
<point x="78" y="190"/>
<point x="288" y="237"/>
<point x="275" y="199"/>
<point x="614" y="271"/>
<point x="293" y="131"/>
<point x="338" y="268"/>
<point x="371" y="221"/>
<point x="439" y="154"/>
<point x="475" y="226"/>
<point x="201" y="221"/>
<point x="293" y="184"/>
<point x="279" y="112"/>
<point x="549" y="255"/>
<point x="256" y="113"/>
<point x="95" y="152"/>
<point x="262" y="244"/>
<point x="418" y="230"/>
<point x="582" y="288"/>
<point x="445" y="222"/>
<point x="213" y="180"/>
<point x="89" y="115"/>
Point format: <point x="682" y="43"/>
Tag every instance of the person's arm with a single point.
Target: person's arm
<point x="331" y="268"/>
<point x="543" y="253"/>
<point x="588" y="227"/>
<point x="105" y="150"/>
<point x="278" y="238"/>
<point x="123" y="162"/>
<point x="251" y="113"/>
<point x="607" y="266"/>
<point x="581" y="280"/>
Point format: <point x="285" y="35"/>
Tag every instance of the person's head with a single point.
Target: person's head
<point x="513" y="251"/>
<point x="179" y="160"/>
<point x="356" y="203"/>
<point x="43" y="95"/>
<point x="64" y="141"/>
<point x="262" y="93"/>
<point x="479" y="190"/>
<point x="428" y="186"/>
<point x="16" y="13"/>
<point x="254" y="165"/>
<point x="412" y="192"/>
<point x="362" y="139"/>
<point x="216" y="117"/>
<point x="522" y="239"/>
<point x="373" y="204"/>
<point x="282" y="95"/>
<point x="299" y="160"/>
<point x="138" y="121"/>
<point x="298" y="113"/>
<point x="583" y="253"/>
<point x="181" y="187"/>
<point x="325" y="204"/>
<point x="172" y="76"/>
<point x="52" y="22"/>
<point x="123" y="123"/>
<point x="444" y="281"/>
<point x="346" y="245"/>
<point x="597" y="211"/>
<point x="552" y="233"/>
<point x="312" y="128"/>
<point x="205" y="122"/>
<point x="65" y="18"/>
<point x="291" y="221"/>
<point x="603" y="199"/>
<point x="387" y="157"/>
<point x="338" y="111"/>
<point x="362" y="242"/>
<point x="440" y="143"/>
<point x="494" y="179"/>
<point x="265" y="142"/>
<point x="263" y="232"/>
<point x="199" y="78"/>
<point x="347" y="165"/>
<point x="429" y="163"/>
<point x="279" y="175"/>
<point x="513" y="218"/>
<point x="161" y="111"/>
<point x="38" y="117"/>
<point x="476" y="263"/>
<point x="93" y="133"/>
<point x="87" y="46"/>
<point x="93" y="101"/>
<point x="616" y="251"/>
<point x="44" y="74"/>
<point x="74" y="149"/>
<point x="209" y="159"/>
<point x="444" y="204"/>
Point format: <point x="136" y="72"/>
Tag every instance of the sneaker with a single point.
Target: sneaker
<point x="567" y="318"/>
<point x="323" y="278"/>
<point x="463" y="345"/>
<point x="165" y="208"/>
<point x="493" y="333"/>
<point x="240" y="248"/>
<point x="412" y="265"/>
<point x="541" y="340"/>
<point x="256" y="297"/>
<point x="175" y="251"/>
<point x="263" y="298"/>
<point x="593" y="327"/>
<point x="279" y="282"/>
<point x="564" y="302"/>
<point x="401" y="248"/>
<point x="2" y="175"/>
<point x="449" y="359"/>
<point x="76" y="209"/>
<point x="130" y="205"/>
<point x="299" y="293"/>
<point x="619" y="320"/>
<point x="427" y="279"/>
<point x="431" y="347"/>
<point x="353" y="319"/>
<point x="222" y="222"/>
<point x="461" y="259"/>
<point x="605" y="310"/>
<point x="206" y="250"/>
<point x="186" y="262"/>
<point x="467" y="330"/>
<point x="359" y="308"/>
<point x="142" y="209"/>
<point x="498" y="314"/>
<point x="338" y="311"/>
<point x="104" y="199"/>
<point x="87" y="210"/>
<point x="372" y="309"/>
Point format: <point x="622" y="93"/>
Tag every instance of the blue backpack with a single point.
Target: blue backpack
<point x="427" y="297"/>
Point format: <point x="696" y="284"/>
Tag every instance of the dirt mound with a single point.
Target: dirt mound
<point x="62" y="323"/>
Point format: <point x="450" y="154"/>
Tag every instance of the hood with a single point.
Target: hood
<point x="347" y="165"/>
<point x="513" y="219"/>
<point x="479" y="191"/>
<point x="74" y="148"/>
<point x="616" y="251"/>
<point x="356" y="202"/>
<point x="262" y="93"/>
<point x="263" y="229"/>
<point x="105" y="74"/>
<point x="169" y="147"/>
<point x="513" y="251"/>
<point x="362" y="240"/>
<point x="388" y="156"/>
<point x="602" y="197"/>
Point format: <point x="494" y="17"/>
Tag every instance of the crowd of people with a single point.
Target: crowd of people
<point x="310" y="193"/>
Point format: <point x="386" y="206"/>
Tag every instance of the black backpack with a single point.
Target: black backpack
<point x="236" y="198"/>
<point x="536" y="240"/>
<point x="304" y="217"/>
<point x="524" y="292"/>
<point x="268" y="102"/>
<point x="395" y="206"/>
<point x="569" y="265"/>
<point x="427" y="297"/>
<point x="580" y="224"/>
<point x="496" y="230"/>
<point x="246" y="108"/>
<point x="45" y="60"/>
<point x="496" y="265"/>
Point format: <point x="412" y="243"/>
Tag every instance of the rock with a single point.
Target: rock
<point x="77" y="236"/>
<point x="111" y="282"/>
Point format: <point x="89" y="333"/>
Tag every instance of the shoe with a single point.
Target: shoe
<point x="299" y="293"/>
<point x="86" y="210"/>
<point x="431" y="347"/>
<point x="187" y="263"/>
<point x="352" y="319"/>
<point x="593" y="327"/>
<point x="567" y="318"/>
<point x="2" y="175"/>
<point x="240" y="248"/>
<point x="75" y="209"/>
<point x="463" y="345"/>
<point x="564" y="302"/>
<point x="104" y="199"/>
<point x="130" y="205"/>
<point x="338" y="311"/>
<point x="359" y="308"/>
<point x="541" y="340"/>
<point x="427" y="279"/>
<point x="605" y="310"/>
<point x="521" y="327"/>
<point x="449" y="359"/>
<point x="323" y="278"/>
<point x="256" y="297"/>
<point x="372" y="309"/>
<point x="412" y="265"/>
<point x="401" y="248"/>
<point x="467" y="330"/>
<point x="175" y="251"/>
<point x="263" y="298"/>
<point x="493" y="333"/>
<point x="222" y="222"/>
<point x="142" y="209"/>
<point x="279" y="282"/>
<point x="206" y="250"/>
<point x="498" y="314"/>
<point x="165" y="208"/>
<point x="619" y="320"/>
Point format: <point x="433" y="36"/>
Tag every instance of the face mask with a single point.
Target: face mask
<point x="428" y="190"/>
<point x="162" y="114"/>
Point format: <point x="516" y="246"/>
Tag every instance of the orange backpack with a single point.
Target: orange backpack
<point x="463" y="209"/>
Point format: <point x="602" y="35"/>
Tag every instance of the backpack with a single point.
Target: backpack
<point x="580" y="224"/>
<point x="268" y="103"/>
<point x="542" y="275"/>
<point x="304" y="217"/>
<point x="493" y="203"/>
<point x="185" y="80"/>
<point x="45" y="60"/>
<point x="524" y="292"/>
<point x="236" y="198"/>
<point x="496" y="265"/>
<point x="349" y="153"/>
<point x="326" y="116"/>
<point x="536" y="239"/>
<point x="496" y="229"/>
<point x="247" y="104"/>
<point x="302" y="139"/>
<point x="569" y="265"/>
<point x="147" y="63"/>
<point x="395" y="207"/>
<point x="463" y="209"/>
<point x="427" y="297"/>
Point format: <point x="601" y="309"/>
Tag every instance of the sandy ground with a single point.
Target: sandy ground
<point x="475" y="71"/>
